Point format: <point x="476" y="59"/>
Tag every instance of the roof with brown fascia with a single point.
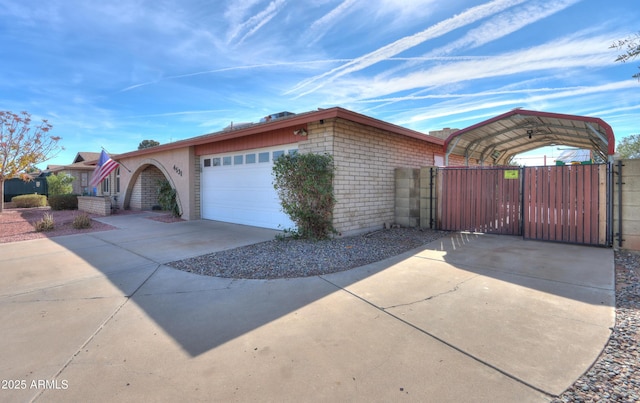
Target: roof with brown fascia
<point x="287" y="121"/>
<point x="84" y="161"/>
<point x="86" y="156"/>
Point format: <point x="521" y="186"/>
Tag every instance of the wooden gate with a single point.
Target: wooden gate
<point x="566" y="204"/>
<point x="551" y="203"/>
<point x="480" y="200"/>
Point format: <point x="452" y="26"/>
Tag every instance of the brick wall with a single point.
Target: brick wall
<point x="365" y="161"/>
<point x="135" y="203"/>
<point x="95" y="205"/>
<point x="149" y="187"/>
<point x="195" y="209"/>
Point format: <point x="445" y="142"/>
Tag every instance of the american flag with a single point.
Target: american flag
<point x="105" y="166"/>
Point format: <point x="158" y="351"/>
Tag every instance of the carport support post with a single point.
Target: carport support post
<point x="428" y="196"/>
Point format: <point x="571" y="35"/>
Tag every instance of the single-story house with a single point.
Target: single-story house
<point x="80" y="169"/>
<point x="227" y="175"/>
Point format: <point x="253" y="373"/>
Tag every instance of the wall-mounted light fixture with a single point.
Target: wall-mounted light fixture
<point x="530" y="133"/>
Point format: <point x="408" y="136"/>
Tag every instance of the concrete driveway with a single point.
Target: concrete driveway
<point x="98" y="317"/>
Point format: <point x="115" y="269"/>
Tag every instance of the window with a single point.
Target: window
<point x="250" y="159"/>
<point x="84" y="179"/>
<point x="105" y="186"/>
<point x="118" y="180"/>
<point x="226" y="160"/>
<point x="263" y="157"/>
<point x="215" y="162"/>
<point x="207" y="162"/>
<point x="277" y="154"/>
<point x="293" y="152"/>
<point x="238" y="159"/>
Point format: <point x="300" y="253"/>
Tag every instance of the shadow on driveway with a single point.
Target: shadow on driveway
<point x="537" y="313"/>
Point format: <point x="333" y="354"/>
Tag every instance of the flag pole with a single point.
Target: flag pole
<point x="105" y="150"/>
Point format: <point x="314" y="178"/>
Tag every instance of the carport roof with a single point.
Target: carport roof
<point x="497" y="140"/>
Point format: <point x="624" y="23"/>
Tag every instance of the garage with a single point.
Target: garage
<point x="238" y="188"/>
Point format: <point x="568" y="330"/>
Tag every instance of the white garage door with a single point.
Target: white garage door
<point x="238" y="188"/>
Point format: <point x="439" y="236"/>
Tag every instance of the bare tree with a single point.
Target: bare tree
<point x="22" y="145"/>
<point x="631" y="48"/>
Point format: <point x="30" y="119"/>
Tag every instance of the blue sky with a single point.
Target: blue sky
<point x="111" y="74"/>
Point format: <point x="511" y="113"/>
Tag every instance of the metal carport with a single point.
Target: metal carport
<point x="497" y="140"/>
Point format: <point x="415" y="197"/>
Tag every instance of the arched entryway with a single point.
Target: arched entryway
<point x="142" y="191"/>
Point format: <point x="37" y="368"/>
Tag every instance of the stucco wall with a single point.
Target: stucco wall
<point x="178" y="166"/>
<point x="80" y="186"/>
<point x="630" y="202"/>
<point x="365" y="160"/>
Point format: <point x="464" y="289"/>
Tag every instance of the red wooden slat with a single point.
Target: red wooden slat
<point x="595" y="205"/>
<point x="534" y="205"/>
<point x="555" y="185"/>
<point x="540" y="204"/>
<point x="579" y="203"/>
<point x="560" y="203"/>
<point x="560" y="177"/>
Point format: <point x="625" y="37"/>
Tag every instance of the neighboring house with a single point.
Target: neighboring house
<point x="226" y="176"/>
<point x="81" y="169"/>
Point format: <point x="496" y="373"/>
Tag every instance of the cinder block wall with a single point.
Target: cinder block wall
<point x="365" y="160"/>
<point x="630" y="202"/>
<point x="415" y="197"/>
<point x="407" y="203"/>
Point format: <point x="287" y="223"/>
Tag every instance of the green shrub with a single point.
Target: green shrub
<point x="167" y="198"/>
<point x="60" y="184"/>
<point x="82" y="221"/>
<point x="45" y="224"/>
<point x="26" y="201"/>
<point x="304" y="183"/>
<point x="63" y="202"/>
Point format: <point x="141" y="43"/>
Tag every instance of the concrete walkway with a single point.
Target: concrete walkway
<point x="99" y="317"/>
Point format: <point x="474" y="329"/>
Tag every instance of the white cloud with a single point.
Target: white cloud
<point x="319" y="27"/>
<point x="384" y="53"/>
<point x="483" y="100"/>
<point x="562" y="54"/>
<point x="251" y="25"/>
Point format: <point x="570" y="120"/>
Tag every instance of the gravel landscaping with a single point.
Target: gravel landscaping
<point x="302" y="258"/>
<point x="17" y="224"/>
<point x="615" y="376"/>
